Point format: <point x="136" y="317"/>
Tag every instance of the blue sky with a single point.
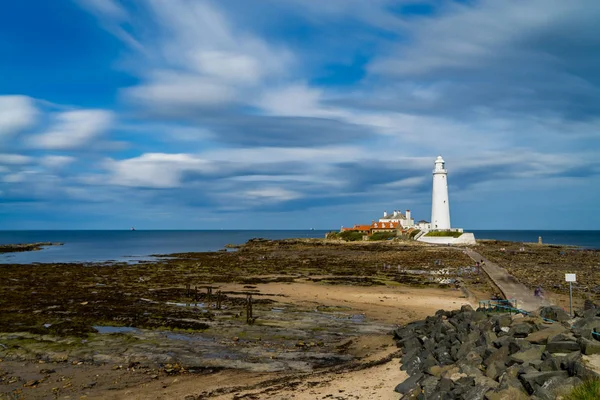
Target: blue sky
<point x="270" y="114"/>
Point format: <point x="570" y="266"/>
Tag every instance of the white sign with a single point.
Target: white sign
<point x="570" y="278"/>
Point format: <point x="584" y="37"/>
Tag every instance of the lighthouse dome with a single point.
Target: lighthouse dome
<point x="439" y="159"/>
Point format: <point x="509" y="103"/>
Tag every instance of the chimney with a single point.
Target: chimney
<point x="395" y="213"/>
<point x="407" y="214"/>
<point x="384" y="214"/>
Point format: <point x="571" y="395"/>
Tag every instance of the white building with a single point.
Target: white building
<point x="440" y="206"/>
<point x="405" y="220"/>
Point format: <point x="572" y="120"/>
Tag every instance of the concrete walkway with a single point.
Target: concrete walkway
<point x="510" y="287"/>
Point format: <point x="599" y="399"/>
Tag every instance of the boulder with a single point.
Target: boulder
<point x="585" y="327"/>
<point x="528" y="356"/>
<point x="520" y="330"/>
<point x="554" y="313"/>
<point x="495" y="369"/>
<point x="531" y="381"/>
<point x="544" y="336"/>
<point x="510" y="393"/>
<point x="477" y="392"/>
<point x="555" y="387"/>
<point x="562" y="346"/>
<point x="499" y="355"/>
<point x="429" y="386"/>
<point x="409" y="383"/>
<point x="588" y="346"/>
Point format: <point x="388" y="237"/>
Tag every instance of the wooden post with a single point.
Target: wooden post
<point x="249" y="318"/>
<point x="196" y="293"/>
<point x="187" y="290"/>
<point x="209" y="296"/>
<point x="219" y="299"/>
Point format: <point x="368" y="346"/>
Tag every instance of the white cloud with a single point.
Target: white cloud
<point x="155" y="170"/>
<point x="56" y="161"/>
<point x="14" y="159"/>
<point x="472" y="36"/>
<point x="16" y="114"/>
<point x="73" y="129"/>
<point x="169" y="91"/>
<point x="191" y="55"/>
<point x="271" y="194"/>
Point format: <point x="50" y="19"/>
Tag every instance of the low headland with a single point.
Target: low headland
<point x="301" y="318"/>
<point x="13" y="248"/>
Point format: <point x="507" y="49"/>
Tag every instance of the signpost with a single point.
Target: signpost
<point x="571" y="278"/>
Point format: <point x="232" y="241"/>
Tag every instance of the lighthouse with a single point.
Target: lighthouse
<point x="440" y="207"/>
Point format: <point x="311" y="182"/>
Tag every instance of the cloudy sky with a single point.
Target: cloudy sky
<point x="272" y="114"/>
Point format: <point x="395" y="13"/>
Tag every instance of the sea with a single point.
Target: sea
<point x="141" y="245"/>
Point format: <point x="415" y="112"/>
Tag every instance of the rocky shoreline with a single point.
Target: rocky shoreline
<point x="471" y="354"/>
<point x="13" y="248"/>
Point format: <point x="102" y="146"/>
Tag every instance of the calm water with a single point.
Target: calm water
<point x="82" y="246"/>
<point x="587" y="239"/>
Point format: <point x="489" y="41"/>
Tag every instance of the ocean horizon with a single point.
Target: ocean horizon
<point x="140" y="245"/>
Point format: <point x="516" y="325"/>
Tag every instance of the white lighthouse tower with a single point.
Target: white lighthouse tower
<point x="440" y="207"/>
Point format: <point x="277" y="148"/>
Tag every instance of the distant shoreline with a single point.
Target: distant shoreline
<point x="15" y="248"/>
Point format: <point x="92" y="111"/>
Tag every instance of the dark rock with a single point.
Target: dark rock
<point x="442" y="356"/>
<point x="562" y="347"/>
<point x="409" y="383"/>
<point x="444" y="385"/>
<point x="429" y="385"/>
<point x="589" y="305"/>
<point x="550" y="364"/>
<point x="508" y="381"/>
<point x="556" y="386"/>
<point x="520" y="330"/>
<point x="469" y="369"/>
<point x="531" y="381"/>
<point x="495" y="369"/>
<point x="510" y="393"/>
<point x="476" y="393"/>
<point x="588" y="346"/>
<point x="544" y="336"/>
<point x="499" y="355"/>
<point x="581" y="371"/>
<point x="585" y="327"/>
<point x="554" y="313"/>
<point x="529" y="355"/>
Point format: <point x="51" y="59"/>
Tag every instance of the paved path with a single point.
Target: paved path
<point x="509" y="285"/>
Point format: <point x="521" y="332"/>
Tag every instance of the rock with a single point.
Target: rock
<point x="527" y="356"/>
<point x="556" y="386"/>
<point x="438" y="370"/>
<point x="589" y="305"/>
<point x="531" y="381"/>
<point x="582" y="371"/>
<point x="510" y="393"/>
<point x="485" y="381"/>
<point x="520" y="330"/>
<point x="585" y="327"/>
<point x="588" y="346"/>
<point x="544" y="336"/>
<point x="429" y="385"/>
<point x="408" y="384"/>
<point x="554" y="313"/>
<point x="444" y="385"/>
<point x="495" y="369"/>
<point x="562" y="347"/>
<point x="499" y="355"/>
<point x="476" y="393"/>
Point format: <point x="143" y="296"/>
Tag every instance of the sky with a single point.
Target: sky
<point x="297" y="114"/>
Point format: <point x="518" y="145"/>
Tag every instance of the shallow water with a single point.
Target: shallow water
<point x="129" y="246"/>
